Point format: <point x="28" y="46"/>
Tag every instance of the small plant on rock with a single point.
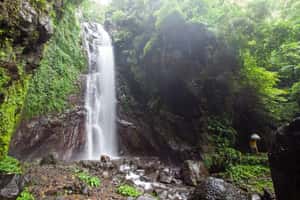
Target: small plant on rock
<point x="26" y="195"/>
<point x="128" y="191"/>
<point x="91" y="181"/>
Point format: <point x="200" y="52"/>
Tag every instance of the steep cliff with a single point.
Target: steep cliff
<point x="25" y="27"/>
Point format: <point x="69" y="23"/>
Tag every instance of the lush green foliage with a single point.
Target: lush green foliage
<point x="249" y="171"/>
<point x="10" y="165"/>
<point x="128" y="191"/>
<point x="91" y="181"/>
<point x="57" y="75"/>
<point x="253" y="177"/>
<point x="263" y="37"/>
<point x="26" y="195"/>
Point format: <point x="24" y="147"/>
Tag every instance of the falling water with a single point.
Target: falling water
<point x="100" y="99"/>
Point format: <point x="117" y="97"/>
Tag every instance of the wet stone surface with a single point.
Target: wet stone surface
<point x="153" y="179"/>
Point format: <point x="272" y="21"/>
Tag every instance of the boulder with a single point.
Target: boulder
<point x="285" y="161"/>
<point x="217" y="189"/>
<point x="104" y="158"/>
<point x="267" y="195"/>
<point x="12" y="189"/>
<point x="50" y="159"/>
<point x="165" y="176"/>
<point x="193" y="172"/>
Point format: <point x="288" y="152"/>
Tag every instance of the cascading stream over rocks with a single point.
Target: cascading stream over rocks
<point x="100" y="98"/>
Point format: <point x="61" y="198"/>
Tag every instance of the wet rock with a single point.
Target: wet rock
<point x="62" y="134"/>
<point x="85" y="189"/>
<point x="50" y="159"/>
<point x="146" y="197"/>
<point x="12" y="189"/>
<point x="267" y="195"/>
<point x="193" y="172"/>
<point x="5" y="179"/>
<point x="285" y="161"/>
<point x="104" y="158"/>
<point x="46" y="28"/>
<point x="105" y="174"/>
<point x="217" y="189"/>
<point x="165" y="176"/>
<point x="162" y="194"/>
<point x="255" y="197"/>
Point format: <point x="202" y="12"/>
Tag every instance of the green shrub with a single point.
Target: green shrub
<point x="128" y="191"/>
<point x="10" y="165"/>
<point x="26" y="195"/>
<point x="295" y="92"/>
<point x="252" y="177"/>
<point x="91" y="181"/>
<point x="222" y="158"/>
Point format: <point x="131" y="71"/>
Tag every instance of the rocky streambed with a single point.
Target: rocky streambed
<point x="52" y="179"/>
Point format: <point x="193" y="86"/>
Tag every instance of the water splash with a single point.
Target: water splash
<point x="100" y="98"/>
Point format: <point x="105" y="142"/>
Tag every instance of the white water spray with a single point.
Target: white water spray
<point x="100" y="98"/>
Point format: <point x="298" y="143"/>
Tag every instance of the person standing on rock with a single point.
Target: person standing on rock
<point x="253" y="143"/>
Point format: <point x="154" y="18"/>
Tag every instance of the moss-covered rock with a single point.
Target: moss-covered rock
<point x="25" y="26"/>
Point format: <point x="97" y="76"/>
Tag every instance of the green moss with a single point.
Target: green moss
<point x="59" y="70"/>
<point x="6" y="50"/>
<point x="39" y="3"/>
<point x="11" y="108"/>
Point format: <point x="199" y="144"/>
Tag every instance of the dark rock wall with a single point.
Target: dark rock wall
<point x="285" y="161"/>
<point x="166" y="93"/>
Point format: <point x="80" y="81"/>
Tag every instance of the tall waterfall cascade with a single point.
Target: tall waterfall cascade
<point x="100" y="97"/>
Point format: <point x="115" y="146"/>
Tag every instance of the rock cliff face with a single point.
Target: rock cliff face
<point x="26" y="25"/>
<point x="285" y="161"/>
<point x="166" y="90"/>
<point x="24" y="28"/>
<point x="61" y="134"/>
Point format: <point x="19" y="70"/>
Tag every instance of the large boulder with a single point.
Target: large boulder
<point x="193" y="172"/>
<point x="285" y="161"/>
<point x="11" y="186"/>
<point x="217" y="189"/>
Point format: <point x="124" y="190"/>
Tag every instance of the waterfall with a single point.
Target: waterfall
<point x="100" y="98"/>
